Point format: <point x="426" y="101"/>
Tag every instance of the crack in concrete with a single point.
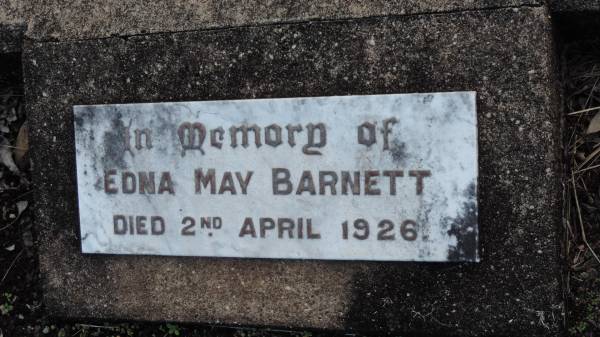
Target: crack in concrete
<point x="288" y="22"/>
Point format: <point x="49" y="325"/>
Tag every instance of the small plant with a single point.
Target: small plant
<point x="171" y="329"/>
<point x="7" y="306"/>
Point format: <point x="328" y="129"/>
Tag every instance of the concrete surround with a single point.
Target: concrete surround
<point x="89" y="19"/>
<point x="133" y="51"/>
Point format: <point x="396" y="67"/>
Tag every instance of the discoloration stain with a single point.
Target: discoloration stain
<point x="424" y="217"/>
<point x="99" y="185"/>
<point x="398" y="151"/>
<point x="116" y="143"/>
<point x="464" y="228"/>
<point x="83" y="115"/>
<point x="79" y="120"/>
<point x="427" y="99"/>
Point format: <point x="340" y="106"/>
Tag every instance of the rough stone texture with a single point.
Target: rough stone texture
<point x="11" y="38"/>
<point x="575" y="5"/>
<point x="11" y="12"/>
<point x="85" y="19"/>
<point x="505" y="55"/>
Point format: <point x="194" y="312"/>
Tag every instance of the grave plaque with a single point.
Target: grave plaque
<point x="375" y="177"/>
<point x="504" y="55"/>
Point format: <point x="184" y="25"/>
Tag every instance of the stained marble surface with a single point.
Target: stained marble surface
<point x="432" y="132"/>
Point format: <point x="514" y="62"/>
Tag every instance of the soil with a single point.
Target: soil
<point x="20" y="295"/>
<point x="581" y="77"/>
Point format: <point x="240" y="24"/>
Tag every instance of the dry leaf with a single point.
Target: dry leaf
<point x="22" y="146"/>
<point x="21" y="206"/>
<point x="594" y="125"/>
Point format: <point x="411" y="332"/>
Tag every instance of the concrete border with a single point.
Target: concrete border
<point x="88" y="19"/>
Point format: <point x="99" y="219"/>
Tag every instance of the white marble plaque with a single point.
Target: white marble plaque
<point x="379" y="177"/>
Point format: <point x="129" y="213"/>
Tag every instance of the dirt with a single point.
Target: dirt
<point x="20" y="296"/>
<point x="581" y="77"/>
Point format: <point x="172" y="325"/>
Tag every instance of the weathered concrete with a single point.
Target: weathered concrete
<point x="86" y="19"/>
<point x="561" y="6"/>
<point x="11" y="38"/>
<point x="89" y="19"/>
<point x="11" y="12"/>
<point x="505" y="55"/>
